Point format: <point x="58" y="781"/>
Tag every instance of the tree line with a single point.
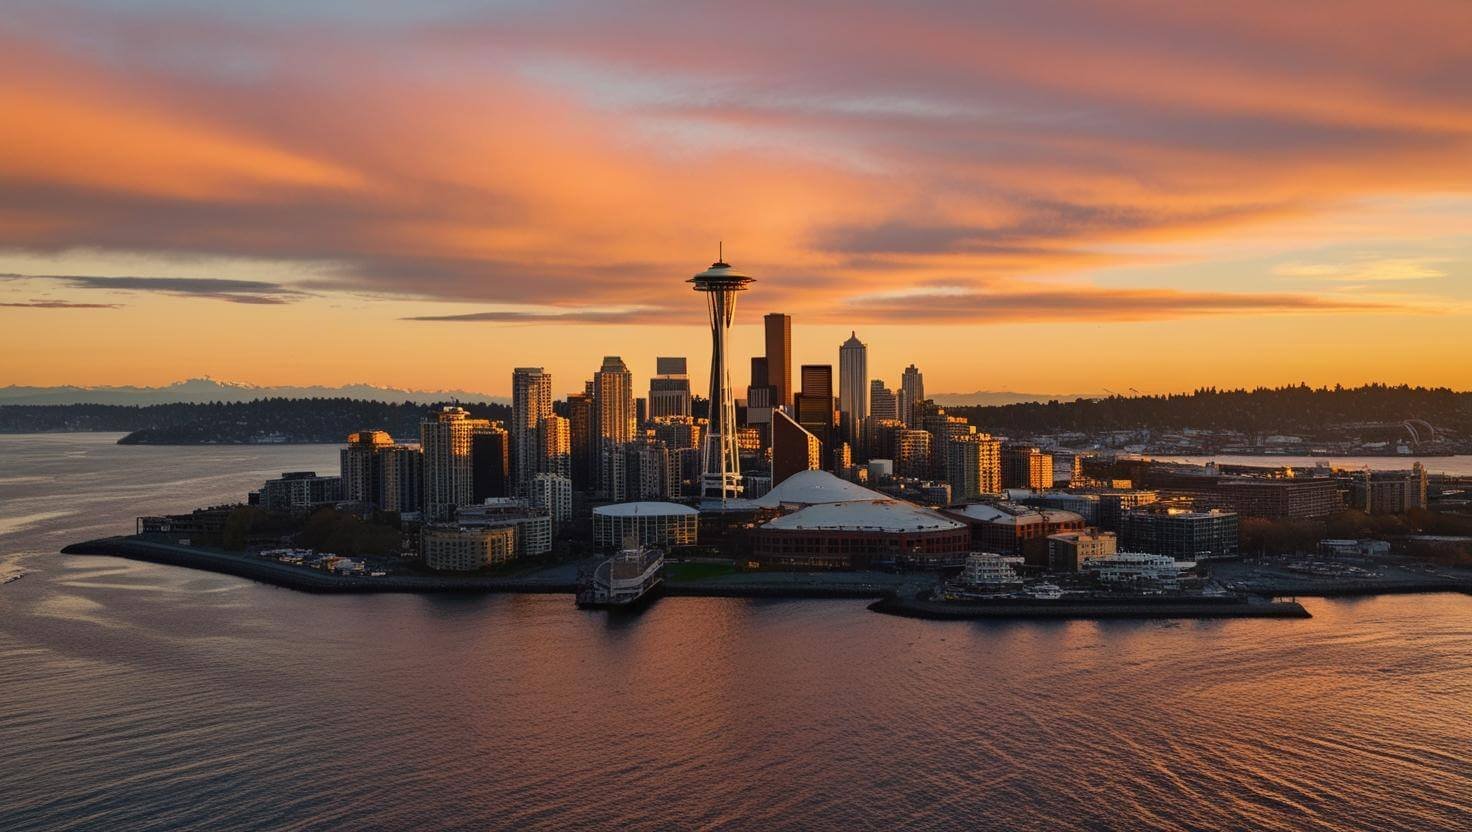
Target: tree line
<point x="294" y="420"/>
<point x="1292" y="410"/>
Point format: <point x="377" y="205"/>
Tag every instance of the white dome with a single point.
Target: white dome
<point x="884" y="515"/>
<point x="648" y="508"/>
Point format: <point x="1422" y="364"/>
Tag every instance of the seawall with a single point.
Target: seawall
<point x="300" y="578"/>
<point x="1144" y="608"/>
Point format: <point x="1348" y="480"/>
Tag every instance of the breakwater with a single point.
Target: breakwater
<point x="301" y="578"/>
<point x="1150" y="607"/>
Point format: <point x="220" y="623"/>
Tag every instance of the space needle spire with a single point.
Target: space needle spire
<point x="720" y="458"/>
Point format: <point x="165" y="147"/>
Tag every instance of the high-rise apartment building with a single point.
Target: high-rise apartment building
<point x="912" y="453"/>
<point x="362" y="466"/>
<point x="1024" y="466"/>
<point x="531" y="401"/>
<point x="582" y="440"/>
<point x="669" y="389"/>
<point x="779" y="357"/>
<point x="912" y="386"/>
<point x="973" y="465"/>
<point x="490" y="464"/>
<point x="402" y="469"/>
<point x="553" y="494"/>
<point x="554" y="437"/>
<point x="853" y="386"/>
<point x="650" y="472"/>
<point x="445" y="439"/>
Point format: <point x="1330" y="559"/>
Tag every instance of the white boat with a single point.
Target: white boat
<point x="625" y="579"/>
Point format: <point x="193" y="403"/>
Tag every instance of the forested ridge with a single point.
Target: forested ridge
<point x="288" y="420"/>
<point x="1292" y="410"/>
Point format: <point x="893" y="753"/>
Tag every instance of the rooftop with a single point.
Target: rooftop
<point x="882" y="515"/>
<point x="652" y="508"/>
<point x="1007" y="513"/>
<point x="811" y="487"/>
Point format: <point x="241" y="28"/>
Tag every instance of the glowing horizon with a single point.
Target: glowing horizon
<point x="1046" y="198"/>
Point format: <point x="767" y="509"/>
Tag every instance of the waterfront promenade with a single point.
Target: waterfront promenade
<point x="904" y="594"/>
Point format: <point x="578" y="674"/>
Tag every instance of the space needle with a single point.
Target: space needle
<point x="720" y="458"/>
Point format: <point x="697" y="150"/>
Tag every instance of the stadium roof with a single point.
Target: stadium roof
<point x="812" y="487"/>
<point x="883" y="515"/>
<point x="646" y="508"/>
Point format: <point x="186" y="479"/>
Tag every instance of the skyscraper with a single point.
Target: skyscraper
<point x="445" y="439"/>
<point x="779" y="357"/>
<point x="583" y="440"/>
<point x="554" y="436"/>
<point x="794" y="448"/>
<point x="720" y="475"/>
<point x="361" y="467"/>
<point x="853" y="386"/>
<point x="490" y="464"/>
<point x="882" y="403"/>
<point x="403" y="478"/>
<point x="613" y="401"/>
<point x="669" y="389"/>
<point x="531" y="401"/>
<point x="613" y="422"/>
<point x="912" y="386"/>
<point x="814" y="405"/>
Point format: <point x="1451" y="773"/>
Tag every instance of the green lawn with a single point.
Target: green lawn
<point x="696" y="571"/>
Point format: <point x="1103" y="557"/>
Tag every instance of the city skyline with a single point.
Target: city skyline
<point x="1188" y="197"/>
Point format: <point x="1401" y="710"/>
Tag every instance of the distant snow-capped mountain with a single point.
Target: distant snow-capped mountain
<point x="991" y="398"/>
<point x="214" y="390"/>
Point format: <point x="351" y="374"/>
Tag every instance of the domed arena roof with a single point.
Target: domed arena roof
<point x="807" y="488"/>
<point x="883" y="515"/>
<point x="648" y="508"/>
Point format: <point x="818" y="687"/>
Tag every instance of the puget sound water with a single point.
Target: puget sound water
<point x="143" y="697"/>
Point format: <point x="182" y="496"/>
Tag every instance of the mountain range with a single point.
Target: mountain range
<point x="996" y="398"/>
<point x="200" y="390"/>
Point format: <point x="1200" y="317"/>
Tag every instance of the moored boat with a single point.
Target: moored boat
<point x="628" y="579"/>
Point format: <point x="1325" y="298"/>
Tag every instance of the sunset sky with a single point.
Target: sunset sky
<point x="1044" y="196"/>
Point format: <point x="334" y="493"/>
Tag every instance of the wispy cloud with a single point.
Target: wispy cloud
<point x="582" y="316"/>
<point x="57" y="304"/>
<point x="1365" y="269"/>
<point x="234" y="291"/>
<point x="1090" y="303"/>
